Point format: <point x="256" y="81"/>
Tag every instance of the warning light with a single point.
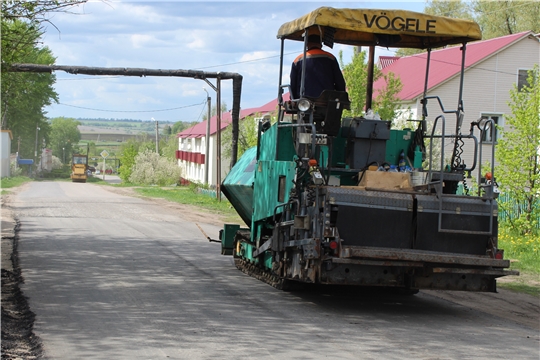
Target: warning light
<point x="333" y="245"/>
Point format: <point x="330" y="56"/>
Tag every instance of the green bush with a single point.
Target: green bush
<point x="152" y="169"/>
<point x="61" y="173"/>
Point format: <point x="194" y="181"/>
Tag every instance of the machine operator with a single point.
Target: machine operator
<point x="322" y="71"/>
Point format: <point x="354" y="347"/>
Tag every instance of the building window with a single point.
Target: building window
<point x="523" y="77"/>
<point x="491" y="134"/>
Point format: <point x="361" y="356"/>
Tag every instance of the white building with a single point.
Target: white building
<point x="192" y="146"/>
<point x="5" y="153"/>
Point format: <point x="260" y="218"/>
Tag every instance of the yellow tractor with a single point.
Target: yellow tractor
<point x="79" y="166"/>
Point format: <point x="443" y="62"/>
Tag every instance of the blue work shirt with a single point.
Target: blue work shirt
<point x="322" y="73"/>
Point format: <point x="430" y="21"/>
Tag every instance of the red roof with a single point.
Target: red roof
<point x="444" y="64"/>
<point x="384" y="61"/>
<point x="226" y="118"/>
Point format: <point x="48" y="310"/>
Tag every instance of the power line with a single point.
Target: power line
<point x="132" y="111"/>
<point x="459" y="64"/>
<point x="202" y="110"/>
<point x="246" y="61"/>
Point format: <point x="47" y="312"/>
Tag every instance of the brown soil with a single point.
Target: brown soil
<point x="18" y="338"/>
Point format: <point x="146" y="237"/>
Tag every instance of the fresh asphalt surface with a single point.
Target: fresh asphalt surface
<point x="117" y="277"/>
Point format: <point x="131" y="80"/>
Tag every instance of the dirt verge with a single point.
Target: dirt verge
<point x="18" y="338"/>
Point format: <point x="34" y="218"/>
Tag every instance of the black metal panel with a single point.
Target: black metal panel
<point x="361" y="128"/>
<point x="350" y="274"/>
<point x="371" y="218"/>
<point x="366" y="141"/>
<point x="429" y="238"/>
<point x="459" y="213"/>
<point x="462" y="282"/>
<point x="362" y="226"/>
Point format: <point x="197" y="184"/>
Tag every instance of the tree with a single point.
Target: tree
<point x="457" y="9"/>
<point x="35" y="10"/>
<point x="65" y="136"/>
<point x="92" y="149"/>
<point x="386" y="102"/>
<point x="180" y="126"/>
<point x="127" y="159"/>
<point x="496" y="18"/>
<point x="24" y="95"/>
<point x="355" y="74"/>
<point x="518" y="155"/>
<point x="213" y="111"/>
<point x="248" y="130"/>
<point x="454" y="8"/>
<point x="168" y="147"/>
<point x="499" y="18"/>
<point x="167" y="130"/>
<point x="129" y="151"/>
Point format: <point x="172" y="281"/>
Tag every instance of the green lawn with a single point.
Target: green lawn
<point x="523" y="250"/>
<point x="10" y="182"/>
<point x="186" y="195"/>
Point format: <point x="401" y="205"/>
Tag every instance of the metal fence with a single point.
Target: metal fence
<point x="513" y="209"/>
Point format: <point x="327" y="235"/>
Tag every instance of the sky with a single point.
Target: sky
<point x="238" y="37"/>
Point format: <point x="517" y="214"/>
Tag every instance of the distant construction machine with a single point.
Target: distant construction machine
<point x="79" y="166"/>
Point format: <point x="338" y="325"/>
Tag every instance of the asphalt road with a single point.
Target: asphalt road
<point x="117" y="277"/>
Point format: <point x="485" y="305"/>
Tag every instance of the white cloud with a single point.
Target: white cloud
<point x="211" y="36"/>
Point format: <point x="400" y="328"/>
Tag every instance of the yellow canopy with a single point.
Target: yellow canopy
<point x="388" y="28"/>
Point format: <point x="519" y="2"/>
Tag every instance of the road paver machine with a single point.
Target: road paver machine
<point x="318" y="206"/>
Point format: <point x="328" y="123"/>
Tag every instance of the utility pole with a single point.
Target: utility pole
<point x="157" y="136"/>
<point x="218" y="139"/>
<point x="207" y="141"/>
<point x="18" y="149"/>
<point x="35" y="150"/>
<point x="217" y="89"/>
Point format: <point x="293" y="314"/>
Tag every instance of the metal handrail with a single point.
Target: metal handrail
<point x="438" y="184"/>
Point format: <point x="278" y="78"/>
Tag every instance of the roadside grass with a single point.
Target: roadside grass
<point x="11" y="182"/>
<point x="520" y="287"/>
<point x="97" y="179"/>
<point x="185" y="195"/>
<point x="523" y="251"/>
